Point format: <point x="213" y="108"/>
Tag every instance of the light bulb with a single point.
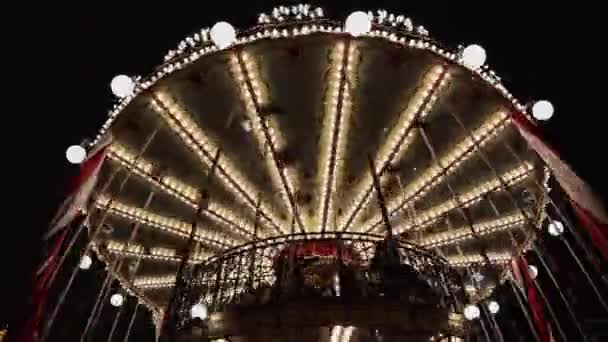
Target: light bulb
<point x="86" y="262"/>
<point x="122" y="86"/>
<point x="75" y="154"/>
<point x="471" y="312"/>
<point x="473" y="56"/>
<point x="493" y="306"/>
<point x="542" y="110"/>
<point x="358" y="23"/>
<point x="533" y="271"/>
<point x="199" y="310"/>
<point x="223" y="34"/>
<point x="555" y="228"/>
<point x="116" y="299"/>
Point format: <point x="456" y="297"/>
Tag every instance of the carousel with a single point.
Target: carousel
<point x="311" y="178"/>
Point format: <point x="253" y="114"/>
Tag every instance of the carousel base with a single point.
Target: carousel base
<point x="319" y="321"/>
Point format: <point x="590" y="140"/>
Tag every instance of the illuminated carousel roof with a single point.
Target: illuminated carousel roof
<point x="289" y="114"/>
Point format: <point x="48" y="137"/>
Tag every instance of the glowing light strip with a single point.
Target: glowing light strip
<point x="180" y="122"/>
<point x="400" y="136"/>
<point x="466" y="260"/>
<point x="423" y="219"/>
<point x="178" y="189"/>
<point x="336" y="124"/>
<point x="341" y="334"/>
<point x="167" y="224"/>
<point x="154" y="282"/>
<point x="463" y="233"/>
<point x="162" y="254"/>
<point x="267" y="137"/>
<point x="450" y="162"/>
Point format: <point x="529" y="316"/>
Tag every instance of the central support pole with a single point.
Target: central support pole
<point x="380" y="196"/>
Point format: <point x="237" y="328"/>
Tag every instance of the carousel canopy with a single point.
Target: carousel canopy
<point x="269" y="133"/>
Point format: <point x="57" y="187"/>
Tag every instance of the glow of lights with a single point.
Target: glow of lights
<point x="452" y="236"/>
<point x="223" y="34"/>
<point x="425" y="218"/>
<point x="466" y="260"/>
<point x="122" y="86"/>
<point x="447" y="164"/>
<point x="533" y="271"/>
<point x="179" y="190"/>
<point x="555" y="228"/>
<point x="191" y="134"/>
<point x="117" y="299"/>
<point x="156" y="253"/>
<point x="167" y="224"/>
<point x="471" y="312"/>
<point x="85" y="262"/>
<point x="264" y="127"/>
<point x="358" y="23"/>
<point x="473" y="56"/>
<point x="493" y="307"/>
<point x="400" y="136"/>
<point x="335" y="127"/>
<point x="75" y="154"/>
<point x="542" y="110"/>
<point x="199" y="310"/>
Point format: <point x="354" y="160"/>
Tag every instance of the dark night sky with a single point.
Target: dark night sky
<point x="72" y="53"/>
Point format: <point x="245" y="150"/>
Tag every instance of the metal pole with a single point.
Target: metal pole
<point x="102" y="294"/>
<point x="550" y="309"/>
<point x="131" y="323"/>
<point x="579" y="240"/>
<point x="483" y="327"/>
<point x="525" y="311"/>
<point x="111" y="334"/>
<point x="494" y="324"/>
<point x="591" y="282"/>
<point x="79" y="231"/>
<point x="381" y="202"/>
<point x="96" y="231"/>
<point x="561" y="294"/>
<point x="460" y="207"/>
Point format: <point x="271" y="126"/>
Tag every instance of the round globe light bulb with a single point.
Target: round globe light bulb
<point x="358" y="23"/>
<point x="223" y="34"/>
<point x="199" y="310"/>
<point x="474" y="56"/>
<point x="471" y="312"/>
<point x="116" y="299"/>
<point x="542" y="110"/>
<point x="85" y="262"/>
<point x="75" y="154"/>
<point x="493" y="307"/>
<point x="122" y="86"/>
<point x="533" y="271"/>
<point x="555" y="228"/>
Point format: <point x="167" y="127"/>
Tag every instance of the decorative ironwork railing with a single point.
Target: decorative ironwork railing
<point x="329" y="266"/>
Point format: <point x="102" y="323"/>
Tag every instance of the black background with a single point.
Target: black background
<point x="64" y="56"/>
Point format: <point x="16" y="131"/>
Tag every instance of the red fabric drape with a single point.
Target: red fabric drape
<point x="534" y="301"/>
<point x="29" y="331"/>
<point x="589" y="208"/>
<point x="597" y="231"/>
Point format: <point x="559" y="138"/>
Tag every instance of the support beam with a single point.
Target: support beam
<point x="336" y="124"/>
<point x="425" y="218"/>
<point x="194" y="138"/>
<point x="265" y="129"/>
<point x="168" y="224"/>
<point x="158" y="253"/>
<point x="451" y="160"/>
<point x="399" y="138"/>
<point x="178" y="189"/>
<point x="464" y="233"/>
